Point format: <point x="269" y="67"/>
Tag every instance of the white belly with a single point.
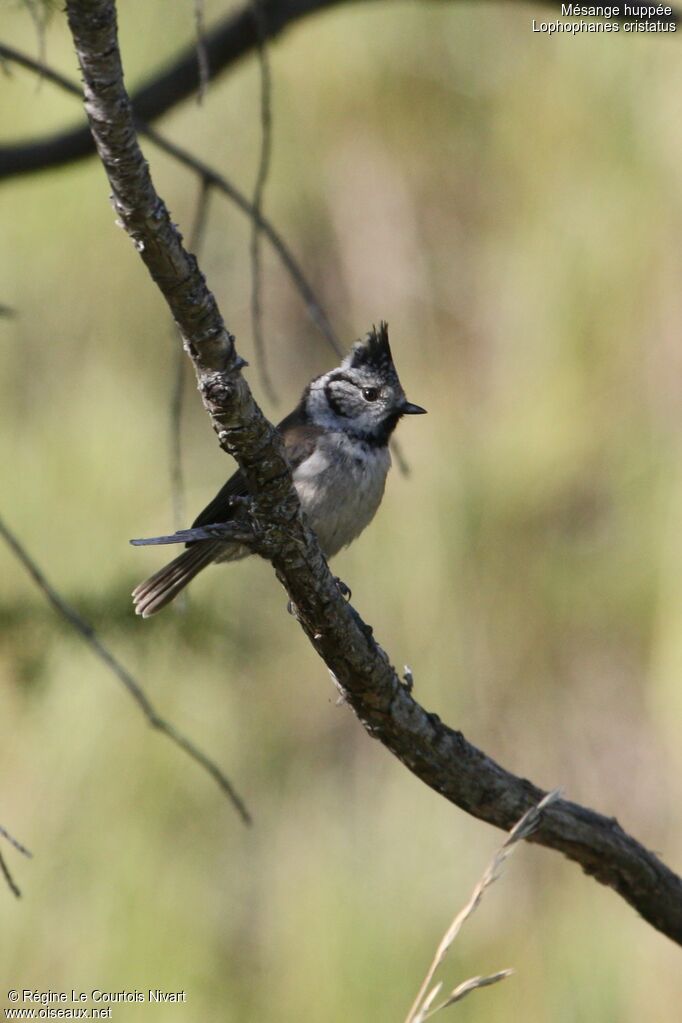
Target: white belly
<point x="340" y="488"/>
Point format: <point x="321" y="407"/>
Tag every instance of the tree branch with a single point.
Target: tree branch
<point x="209" y="177"/>
<point x="4" y="869"/>
<point x="437" y="754"/>
<point x="87" y="633"/>
<point x="264" y="160"/>
<point x="230" y="40"/>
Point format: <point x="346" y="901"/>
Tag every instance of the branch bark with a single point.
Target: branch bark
<point x="438" y="755"/>
<point x="231" y="39"/>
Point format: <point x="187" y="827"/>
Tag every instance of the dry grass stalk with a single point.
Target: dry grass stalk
<point x="421" y="1009"/>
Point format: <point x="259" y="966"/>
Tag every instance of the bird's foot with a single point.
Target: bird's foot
<point x="343" y="589"/>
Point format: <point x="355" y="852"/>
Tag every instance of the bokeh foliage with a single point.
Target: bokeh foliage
<point x="511" y="205"/>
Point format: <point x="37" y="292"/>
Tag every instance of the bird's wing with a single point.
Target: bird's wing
<point x="220" y="508"/>
<point x="300" y="438"/>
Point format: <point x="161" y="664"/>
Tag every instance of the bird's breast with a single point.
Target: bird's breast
<point x="340" y="486"/>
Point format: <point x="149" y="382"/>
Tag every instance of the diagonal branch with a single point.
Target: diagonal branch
<point x="4" y="869"/>
<point x="231" y="39"/>
<point x="440" y="756"/>
<point x="11" y="883"/>
<point x="87" y="633"/>
<point x="208" y="176"/>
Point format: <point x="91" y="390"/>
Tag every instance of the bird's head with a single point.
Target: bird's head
<point x="364" y="396"/>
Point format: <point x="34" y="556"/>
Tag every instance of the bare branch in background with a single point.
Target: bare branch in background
<point x="198" y="230"/>
<point x="438" y="755"/>
<point x="209" y="176"/>
<point x="313" y="305"/>
<point x="400" y="460"/>
<point x="206" y="173"/>
<point x="4" y="869"/>
<point x="225" y="44"/>
<point x="40" y="14"/>
<point x="177" y="476"/>
<point x="202" y="55"/>
<point x="87" y="632"/>
<point x="264" y="158"/>
<point x="11" y="883"/>
<point x="177" y="481"/>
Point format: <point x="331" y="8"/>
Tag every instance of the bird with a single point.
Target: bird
<point x="336" y="441"/>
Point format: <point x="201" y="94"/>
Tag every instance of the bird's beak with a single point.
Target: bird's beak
<point x="408" y="409"/>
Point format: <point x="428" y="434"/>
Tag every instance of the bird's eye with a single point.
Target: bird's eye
<point x="370" y="393"/>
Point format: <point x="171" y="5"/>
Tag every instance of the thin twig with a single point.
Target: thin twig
<point x="39" y="13"/>
<point x="15" y="842"/>
<point x="87" y="632"/>
<point x="11" y="883"/>
<point x="400" y="460"/>
<point x="227" y="42"/>
<point x="258" y="193"/>
<point x="260" y="224"/>
<point x="14" y="56"/>
<point x="177" y="480"/>
<point x="313" y="305"/>
<point x="521" y="830"/>
<point x="204" y="171"/>
<point x="4" y="869"/>
<point x="202" y="52"/>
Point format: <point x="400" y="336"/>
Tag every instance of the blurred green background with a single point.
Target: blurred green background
<point x="512" y="205"/>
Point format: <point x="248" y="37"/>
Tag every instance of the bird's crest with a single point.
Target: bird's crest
<point x="373" y="352"/>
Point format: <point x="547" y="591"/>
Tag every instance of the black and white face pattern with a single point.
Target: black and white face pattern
<point x="363" y="397"/>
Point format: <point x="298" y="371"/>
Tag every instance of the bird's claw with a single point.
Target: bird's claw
<point x="343" y="589"/>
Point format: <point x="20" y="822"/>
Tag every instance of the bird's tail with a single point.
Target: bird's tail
<point x="162" y="587"/>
